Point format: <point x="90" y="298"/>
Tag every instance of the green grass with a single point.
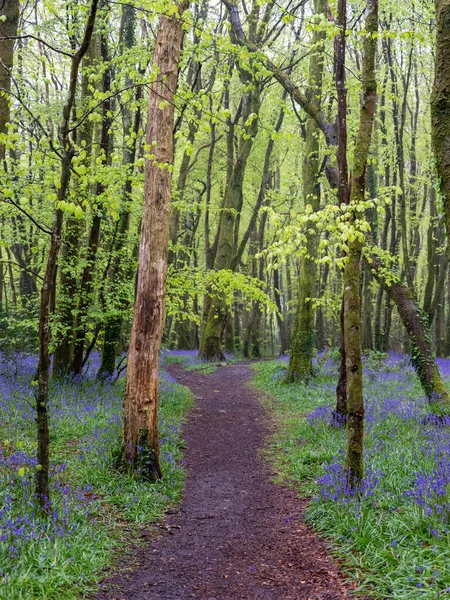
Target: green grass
<point x="389" y="545"/>
<point x="105" y="510"/>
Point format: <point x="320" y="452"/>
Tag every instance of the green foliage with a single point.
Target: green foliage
<point x="18" y="334"/>
<point x="184" y="285"/>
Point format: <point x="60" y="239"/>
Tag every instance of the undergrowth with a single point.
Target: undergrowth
<point x="94" y="507"/>
<point x="395" y="539"/>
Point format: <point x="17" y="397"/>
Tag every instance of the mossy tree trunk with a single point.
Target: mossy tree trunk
<point x="440" y="106"/>
<point x="416" y="323"/>
<point x="140" y="448"/>
<point x="302" y="341"/>
<point x="354" y="462"/>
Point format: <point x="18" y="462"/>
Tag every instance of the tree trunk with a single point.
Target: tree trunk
<point x="340" y="413"/>
<point x="354" y="462"/>
<point x="210" y="347"/>
<point x="120" y="268"/>
<point x="140" y="431"/>
<point x="302" y="341"/>
<point x="67" y="298"/>
<point x="440" y="321"/>
<point x="440" y="106"/>
<point x="284" y="346"/>
<point x="416" y="324"/>
<point x="447" y="328"/>
<point x="367" y="311"/>
<point x="11" y="279"/>
<point x="8" y="29"/>
<point x="43" y="450"/>
<point x="87" y="279"/>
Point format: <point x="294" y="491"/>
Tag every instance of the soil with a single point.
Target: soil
<point x="237" y="535"/>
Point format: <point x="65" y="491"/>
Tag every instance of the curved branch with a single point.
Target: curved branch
<point x="22" y="210"/>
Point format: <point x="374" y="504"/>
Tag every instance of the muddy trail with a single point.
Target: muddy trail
<point x="236" y="535"/>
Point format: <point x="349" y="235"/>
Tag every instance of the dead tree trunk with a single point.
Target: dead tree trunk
<point x="140" y="431"/>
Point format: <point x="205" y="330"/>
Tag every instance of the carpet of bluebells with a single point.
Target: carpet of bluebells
<point x="394" y="535"/>
<point x="93" y="506"/>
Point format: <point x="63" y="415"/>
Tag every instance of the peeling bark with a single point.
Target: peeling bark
<point x="140" y="450"/>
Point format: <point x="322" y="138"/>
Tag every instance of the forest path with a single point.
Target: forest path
<point x="236" y="535"/>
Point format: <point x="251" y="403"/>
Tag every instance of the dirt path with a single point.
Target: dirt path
<point x="237" y="535"/>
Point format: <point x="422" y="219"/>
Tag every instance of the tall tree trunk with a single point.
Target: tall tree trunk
<point x="302" y="341"/>
<point x="210" y="346"/>
<point x="341" y="411"/>
<point x="9" y="11"/>
<point x="140" y="430"/>
<point x="440" y="106"/>
<point x="87" y="279"/>
<point x="355" y="403"/>
<point x="120" y="268"/>
<point x="367" y="310"/>
<point x="11" y="279"/>
<point x="281" y="319"/>
<point x="43" y="450"/>
<point x="67" y="298"/>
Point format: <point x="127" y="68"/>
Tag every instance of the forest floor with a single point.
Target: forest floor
<point x="237" y="535"/>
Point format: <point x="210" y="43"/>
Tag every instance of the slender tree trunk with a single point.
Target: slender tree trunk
<point x="120" y="268"/>
<point x="43" y="451"/>
<point x="67" y="298"/>
<point x="11" y="279"/>
<point x="140" y="431"/>
<point x="378" y="330"/>
<point x="367" y="311"/>
<point x="281" y="320"/>
<point x="355" y="403"/>
<point x="341" y="411"/>
<point x="210" y="346"/>
<point x="87" y="279"/>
